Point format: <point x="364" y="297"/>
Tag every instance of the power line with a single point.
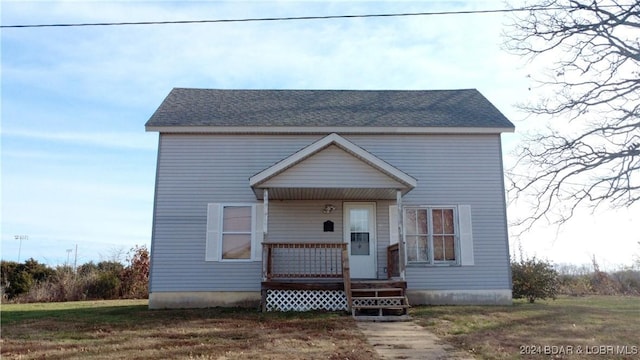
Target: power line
<point x="288" y="18"/>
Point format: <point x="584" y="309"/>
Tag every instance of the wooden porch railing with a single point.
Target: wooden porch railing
<point x="287" y="261"/>
<point x="302" y="260"/>
<point x="393" y="261"/>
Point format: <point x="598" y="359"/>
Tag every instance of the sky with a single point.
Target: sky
<point x="78" y="168"/>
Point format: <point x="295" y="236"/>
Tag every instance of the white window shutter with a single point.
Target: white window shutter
<point x="214" y="211"/>
<point x="258" y="231"/>
<point x="466" y="235"/>
<point x="393" y="224"/>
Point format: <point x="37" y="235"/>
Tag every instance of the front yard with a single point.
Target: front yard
<point x="568" y="328"/>
<point x="125" y="329"/>
<point x="593" y="327"/>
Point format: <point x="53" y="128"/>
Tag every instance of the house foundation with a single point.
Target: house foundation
<point x="460" y="297"/>
<point x="203" y="299"/>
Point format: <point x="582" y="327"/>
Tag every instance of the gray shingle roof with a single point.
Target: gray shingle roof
<point x="327" y="108"/>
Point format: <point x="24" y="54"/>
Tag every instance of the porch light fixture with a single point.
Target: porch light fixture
<point x="328" y="209"/>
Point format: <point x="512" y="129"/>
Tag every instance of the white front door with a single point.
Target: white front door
<point x="360" y="236"/>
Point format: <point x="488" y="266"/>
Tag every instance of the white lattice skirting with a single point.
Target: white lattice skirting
<point x="305" y="300"/>
<point x="376" y="302"/>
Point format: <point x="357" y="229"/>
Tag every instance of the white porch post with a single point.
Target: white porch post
<point x="401" y="244"/>
<point x="266" y="256"/>
<point x="265" y="225"/>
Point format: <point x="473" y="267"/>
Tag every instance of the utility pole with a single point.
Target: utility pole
<point x="20" y="237"/>
<point x="75" y="260"/>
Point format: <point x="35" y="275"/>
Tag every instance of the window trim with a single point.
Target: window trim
<point x="252" y="231"/>
<point x="430" y="235"/>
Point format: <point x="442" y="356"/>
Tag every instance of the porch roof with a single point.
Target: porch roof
<point x="332" y="168"/>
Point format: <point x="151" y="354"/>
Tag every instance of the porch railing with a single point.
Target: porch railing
<point x="393" y="261"/>
<point x="287" y="261"/>
<point x="303" y="260"/>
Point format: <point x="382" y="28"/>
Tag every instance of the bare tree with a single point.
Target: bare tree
<point x="589" y="154"/>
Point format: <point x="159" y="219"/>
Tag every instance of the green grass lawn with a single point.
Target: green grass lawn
<point x="567" y="328"/>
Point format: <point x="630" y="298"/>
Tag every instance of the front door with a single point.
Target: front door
<point x="360" y="236"/>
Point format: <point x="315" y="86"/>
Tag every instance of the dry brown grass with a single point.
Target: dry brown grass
<point x="567" y="328"/>
<point x="127" y="330"/>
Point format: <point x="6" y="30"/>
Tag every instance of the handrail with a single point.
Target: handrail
<point x="346" y="276"/>
<point x="393" y="261"/>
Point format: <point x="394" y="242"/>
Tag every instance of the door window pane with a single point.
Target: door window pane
<point x="359" y="243"/>
<point x="359" y="219"/>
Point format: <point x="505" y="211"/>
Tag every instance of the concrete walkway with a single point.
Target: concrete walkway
<point x="407" y="340"/>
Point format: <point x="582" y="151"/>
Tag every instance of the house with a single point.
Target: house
<point x="333" y="199"/>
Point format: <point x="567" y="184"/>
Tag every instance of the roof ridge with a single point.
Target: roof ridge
<point x="326" y="90"/>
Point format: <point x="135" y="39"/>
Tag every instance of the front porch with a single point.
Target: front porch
<point x="323" y="208"/>
<point x="316" y="276"/>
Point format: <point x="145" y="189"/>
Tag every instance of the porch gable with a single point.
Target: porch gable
<point x="332" y="168"/>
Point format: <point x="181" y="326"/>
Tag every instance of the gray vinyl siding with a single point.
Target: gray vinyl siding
<point x="194" y="170"/>
<point x="452" y="170"/>
<point x="332" y="167"/>
<point x="293" y="221"/>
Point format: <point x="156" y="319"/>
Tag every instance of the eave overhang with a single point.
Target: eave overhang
<point x="326" y="130"/>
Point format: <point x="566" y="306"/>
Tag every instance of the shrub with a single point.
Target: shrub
<point x="135" y="277"/>
<point x="19" y="282"/>
<point x="628" y="281"/>
<point x="534" y="279"/>
<point x="20" y="278"/>
<point x="106" y="285"/>
<point x="575" y="285"/>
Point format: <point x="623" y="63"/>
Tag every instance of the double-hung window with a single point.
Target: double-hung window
<point x="431" y="235"/>
<point x="236" y="232"/>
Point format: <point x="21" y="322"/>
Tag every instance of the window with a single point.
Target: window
<point x="236" y="232"/>
<point x="431" y="235"/>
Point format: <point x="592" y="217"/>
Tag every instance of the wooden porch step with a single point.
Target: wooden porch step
<point x="384" y="318"/>
<point x="378" y="284"/>
<point x="387" y="299"/>
<point x="377" y="290"/>
<point x="383" y="307"/>
<point x="401" y="298"/>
